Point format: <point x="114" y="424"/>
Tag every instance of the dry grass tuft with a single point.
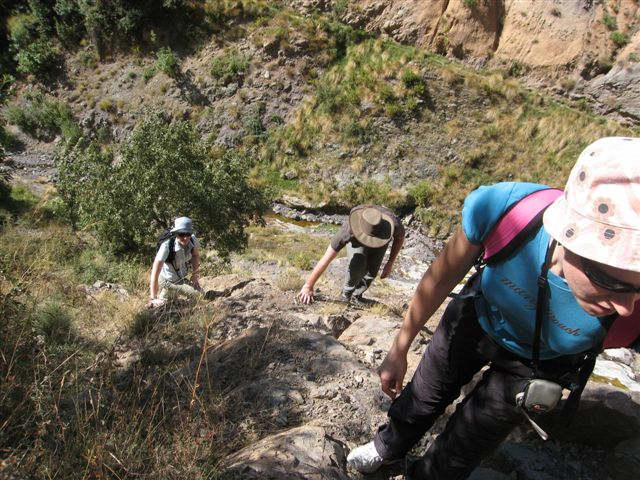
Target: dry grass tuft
<point x="290" y="280"/>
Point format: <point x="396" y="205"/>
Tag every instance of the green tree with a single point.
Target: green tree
<point x="6" y="82"/>
<point x="164" y="170"/>
<point x="40" y="58"/>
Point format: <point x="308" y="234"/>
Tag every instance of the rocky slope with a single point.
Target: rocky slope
<point x="297" y="384"/>
<point x="306" y="377"/>
<point x="565" y="45"/>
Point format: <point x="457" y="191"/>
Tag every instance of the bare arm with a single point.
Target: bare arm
<point x="395" y="249"/>
<point x="305" y="295"/>
<point x="153" y="280"/>
<point x="195" y="266"/>
<point x="444" y="274"/>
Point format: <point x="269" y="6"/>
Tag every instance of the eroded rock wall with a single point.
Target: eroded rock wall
<point x="567" y="45"/>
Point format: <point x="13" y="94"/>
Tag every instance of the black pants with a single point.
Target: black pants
<point x="480" y="422"/>
<point x="364" y="263"/>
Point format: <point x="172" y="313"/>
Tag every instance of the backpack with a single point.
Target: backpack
<point x="167" y="234"/>
<point x="514" y="227"/>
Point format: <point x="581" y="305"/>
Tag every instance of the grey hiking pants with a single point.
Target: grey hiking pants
<point x="486" y="416"/>
<point x="364" y="263"/>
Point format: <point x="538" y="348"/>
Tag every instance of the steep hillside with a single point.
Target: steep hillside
<point x="409" y="104"/>
<point x="333" y="115"/>
<point x="560" y="44"/>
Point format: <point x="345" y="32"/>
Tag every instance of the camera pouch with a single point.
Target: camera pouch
<point x="539" y="396"/>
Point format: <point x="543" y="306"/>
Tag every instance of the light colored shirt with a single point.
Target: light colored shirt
<point x="177" y="269"/>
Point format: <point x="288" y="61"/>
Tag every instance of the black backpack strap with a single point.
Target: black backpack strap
<point x="542" y="289"/>
<point x="172" y="250"/>
<point x="584" y="372"/>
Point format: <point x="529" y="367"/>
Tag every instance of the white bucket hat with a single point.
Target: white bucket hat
<point x="598" y="217"/>
<point x="182" y="225"/>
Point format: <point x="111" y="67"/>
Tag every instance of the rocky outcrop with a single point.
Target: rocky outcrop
<point x="618" y="92"/>
<point x="568" y="43"/>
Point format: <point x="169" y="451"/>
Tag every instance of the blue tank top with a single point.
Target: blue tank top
<point x="507" y="307"/>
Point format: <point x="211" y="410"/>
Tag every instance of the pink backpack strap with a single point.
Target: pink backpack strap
<point x="516" y="219"/>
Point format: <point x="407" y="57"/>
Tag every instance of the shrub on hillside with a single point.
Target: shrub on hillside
<point x="22" y="29"/>
<point x="609" y="21"/>
<point x="619" y="38"/>
<point x="423" y="193"/>
<point x="231" y="66"/>
<point x="164" y="170"/>
<point x="43" y="118"/>
<point x="40" y="59"/>
<point x="167" y="62"/>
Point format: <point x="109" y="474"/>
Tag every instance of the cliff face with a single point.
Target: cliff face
<point x="568" y="45"/>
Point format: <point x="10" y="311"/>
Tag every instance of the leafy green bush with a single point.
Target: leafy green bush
<point x="22" y="30"/>
<point x="164" y="171"/>
<point x="619" y="38"/>
<point x="40" y="59"/>
<point x="68" y="22"/>
<point x="167" y="62"/>
<point x="253" y="123"/>
<point x="43" y="118"/>
<point x="609" y="21"/>
<point x="229" y="67"/>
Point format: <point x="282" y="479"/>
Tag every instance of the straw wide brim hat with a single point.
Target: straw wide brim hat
<point x="598" y="217"/>
<point x="371" y="227"/>
<point x="182" y="225"/>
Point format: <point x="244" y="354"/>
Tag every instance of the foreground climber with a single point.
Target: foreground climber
<point x="588" y="251"/>
<point x="367" y="233"/>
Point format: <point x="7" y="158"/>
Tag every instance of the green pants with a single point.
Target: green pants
<point x="183" y="287"/>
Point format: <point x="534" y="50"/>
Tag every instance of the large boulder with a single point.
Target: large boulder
<point x="305" y="452"/>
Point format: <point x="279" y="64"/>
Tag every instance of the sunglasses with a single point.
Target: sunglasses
<point x="183" y="234"/>
<point x="604" y="280"/>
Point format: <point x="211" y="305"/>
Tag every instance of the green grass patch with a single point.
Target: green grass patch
<point x="269" y="245"/>
<point x="42" y="117"/>
<point x="230" y="66"/>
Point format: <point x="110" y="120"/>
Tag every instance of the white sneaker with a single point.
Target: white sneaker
<point x="365" y="458"/>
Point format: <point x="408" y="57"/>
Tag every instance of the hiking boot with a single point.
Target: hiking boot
<point x="360" y="301"/>
<point x="365" y="458"/>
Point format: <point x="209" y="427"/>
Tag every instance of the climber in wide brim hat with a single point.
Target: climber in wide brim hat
<point x="371" y="227"/>
<point x="366" y="233"/>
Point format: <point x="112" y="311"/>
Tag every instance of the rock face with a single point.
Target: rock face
<point x="618" y="92"/>
<point x="569" y="44"/>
